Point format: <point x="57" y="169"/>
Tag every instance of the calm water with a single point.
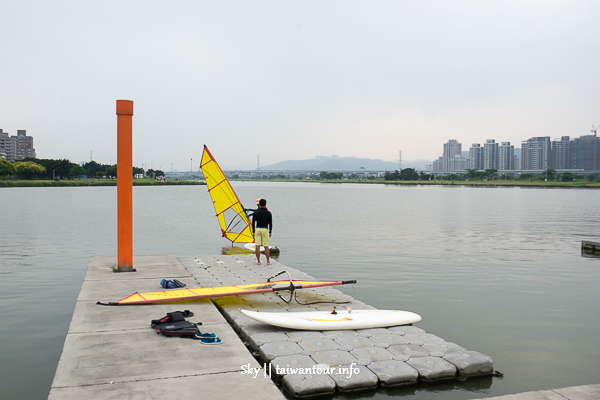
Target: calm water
<point x="497" y="270"/>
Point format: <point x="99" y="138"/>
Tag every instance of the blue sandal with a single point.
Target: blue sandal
<point x="214" y="340"/>
<point x="205" y="335"/>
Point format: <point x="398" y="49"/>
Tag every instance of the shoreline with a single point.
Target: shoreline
<point x="567" y="185"/>
<point x="492" y="184"/>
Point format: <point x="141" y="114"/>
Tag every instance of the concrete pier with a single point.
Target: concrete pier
<point x="111" y="352"/>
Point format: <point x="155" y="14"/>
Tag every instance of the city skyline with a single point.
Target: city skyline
<point x="536" y="153"/>
<point x="296" y="80"/>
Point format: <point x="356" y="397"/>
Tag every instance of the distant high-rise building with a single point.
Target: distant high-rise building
<point x="438" y="164"/>
<point x="535" y="153"/>
<point x="491" y="155"/>
<point x="506" y="161"/>
<point x="8" y="146"/>
<point x="451" y="150"/>
<point x="564" y="153"/>
<point x="560" y="153"/>
<point x="476" y="157"/>
<point x="16" y="147"/>
<point x="24" y="145"/>
<point x="458" y="163"/>
<point x="585" y="150"/>
<point x="2" y="144"/>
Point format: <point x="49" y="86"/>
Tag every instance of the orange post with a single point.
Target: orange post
<point x="124" y="186"/>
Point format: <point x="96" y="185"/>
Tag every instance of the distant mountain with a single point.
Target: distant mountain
<point x="337" y="163"/>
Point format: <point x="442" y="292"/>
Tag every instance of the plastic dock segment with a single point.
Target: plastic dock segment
<point x="313" y="363"/>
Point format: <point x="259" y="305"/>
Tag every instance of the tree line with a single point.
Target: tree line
<point x="30" y="168"/>
<point x="407" y="174"/>
<point x="487" y="175"/>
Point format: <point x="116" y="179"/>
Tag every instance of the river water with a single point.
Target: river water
<point x="497" y="270"/>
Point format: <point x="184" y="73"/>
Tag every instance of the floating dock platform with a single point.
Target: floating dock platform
<point x="589" y="247"/>
<point x="355" y="359"/>
<point x="111" y="351"/>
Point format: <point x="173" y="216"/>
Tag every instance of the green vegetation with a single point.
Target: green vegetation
<point x="330" y="175"/>
<point x="48" y="172"/>
<point x="567" y="177"/>
<point x="474" y="175"/>
<point x="28" y="169"/>
<point x="151" y="172"/>
<point x="34" y="168"/>
<point x="407" y="174"/>
<point x="548" y="174"/>
<point x="471" y="177"/>
<point x="6" y="168"/>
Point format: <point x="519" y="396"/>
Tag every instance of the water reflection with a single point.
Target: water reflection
<point x="590" y="253"/>
<point x="233" y="250"/>
<point x="452" y="390"/>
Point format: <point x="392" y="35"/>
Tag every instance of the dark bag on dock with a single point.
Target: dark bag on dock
<point x="174" y="324"/>
<point x="174" y="316"/>
<point x="179" y="328"/>
<point x="171" y="284"/>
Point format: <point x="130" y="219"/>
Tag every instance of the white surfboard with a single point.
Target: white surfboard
<point x="326" y="321"/>
<point x="250" y="246"/>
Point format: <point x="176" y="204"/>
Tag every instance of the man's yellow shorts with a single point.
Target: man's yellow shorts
<point x="261" y="237"/>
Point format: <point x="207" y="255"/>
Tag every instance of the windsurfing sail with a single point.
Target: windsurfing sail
<point x="200" y="293"/>
<point x="233" y="220"/>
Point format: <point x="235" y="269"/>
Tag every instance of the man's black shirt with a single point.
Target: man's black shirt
<point x="262" y="218"/>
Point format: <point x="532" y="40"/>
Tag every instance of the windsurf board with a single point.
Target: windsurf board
<point x="342" y="320"/>
<point x="251" y="246"/>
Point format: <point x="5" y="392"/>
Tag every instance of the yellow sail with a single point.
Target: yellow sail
<point x="234" y="223"/>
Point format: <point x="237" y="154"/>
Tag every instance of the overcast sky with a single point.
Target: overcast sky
<point x="295" y="79"/>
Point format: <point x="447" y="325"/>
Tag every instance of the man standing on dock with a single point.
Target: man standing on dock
<point x="262" y="225"/>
